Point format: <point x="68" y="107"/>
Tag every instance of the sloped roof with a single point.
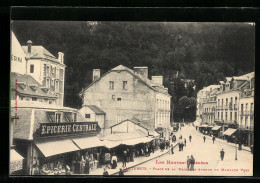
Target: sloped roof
<point x="126" y="136"/>
<point x="96" y="109"/>
<point x="26" y="126"/>
<point x="39" y="52"/>
<point x="247" y="76"/>
<point x="140" y="77"/>
<point x="29" y="80"/>
<point x="137" y="122"/>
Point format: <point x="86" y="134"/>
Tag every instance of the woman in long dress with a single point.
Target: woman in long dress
<point x="114" y="161"/>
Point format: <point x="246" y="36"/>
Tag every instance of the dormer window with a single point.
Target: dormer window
<point x="33" y="86"/>
<point x="31" y="68"/>
<point x="22" y="85"/>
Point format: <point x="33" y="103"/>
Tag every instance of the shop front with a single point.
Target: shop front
<point x="65" y="148"/>
<point x="230" y="135"/>
<point x="216" y="130"/>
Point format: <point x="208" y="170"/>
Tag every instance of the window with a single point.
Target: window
<point x="50" y="101"/>
<point x="124" y="85"/>
<point x="58" y="115"/>
<point x="87" y="115"/>
<point x="57" y="86"/>
<point x="221" y="115"/>
<point x="111" y="85"/>
<point x="48" y="83"/>
<point x="226" y="116"/>
<point x="246" y="121"/>
<point x="222" y="103"/>
<point x="118" y="102"/>
<point x="34" y="99"/>
<point x="48" y="71"/>
<point x="230" y="116"/>
<point x="31" y="68"/>
<point x="235" y="116"/>
<point x="21" y="98"/>
<point x="226" y="101"/>
<point x="218" y="115"/>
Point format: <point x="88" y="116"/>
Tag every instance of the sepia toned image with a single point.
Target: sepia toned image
<point x="107" y="98"/>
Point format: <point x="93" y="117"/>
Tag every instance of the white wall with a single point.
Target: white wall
<point x="18" y="61"/>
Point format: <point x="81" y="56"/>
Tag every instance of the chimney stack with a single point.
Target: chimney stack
<point x="142" y="71"/>
<point x="96" y="74"/>
<point x="157" y="80"/>
<point x="29" y="42"/>
<point x="61" y="57"/>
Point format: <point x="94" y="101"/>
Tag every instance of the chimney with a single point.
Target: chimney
<point x="29" y="42"/>
<point x="96" y="74"/>
<point x="157" y="80"/>
<point x="142" y="71"/>
<point x="61" y="57"/>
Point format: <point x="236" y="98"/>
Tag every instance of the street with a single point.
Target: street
<point x="207" y="158"/>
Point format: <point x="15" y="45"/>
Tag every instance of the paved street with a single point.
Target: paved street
<point x="206" y="153"/>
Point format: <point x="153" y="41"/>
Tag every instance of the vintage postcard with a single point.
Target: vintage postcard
<point x="132" y="98"/>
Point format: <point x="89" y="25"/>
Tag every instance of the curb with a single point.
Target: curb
<point x="146" y="160"/>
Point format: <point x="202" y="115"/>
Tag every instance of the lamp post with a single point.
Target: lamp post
<point x="236" y="148"/>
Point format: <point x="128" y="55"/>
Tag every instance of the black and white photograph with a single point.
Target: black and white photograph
<point x="131" y="98"/>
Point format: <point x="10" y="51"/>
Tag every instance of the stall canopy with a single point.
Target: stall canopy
<point x="154" y="133"/>
<point x="216" y="128"/>
<point x="137" y="141"/>
<point x="111" y="144"/>
<point x="204" y="125"/>
<point x="56" y="147"/>
<point x="16" y="161"/>
<point x="229" y="131"/>
<point x="88" y="142"/>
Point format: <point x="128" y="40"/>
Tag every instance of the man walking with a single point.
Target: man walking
<point x="204" y="138"/>
<point x="188" y="162"/>
<point x="222" y="153"/>
<point x="190" y="137"/>
<point x="213" y="139"/>
<point x="185" y="141"/>
<point x="192" y="162"/>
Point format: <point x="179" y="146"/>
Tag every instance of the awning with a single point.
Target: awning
<point x="137" y="141"/>
<point x="56" y="147"/>
<point x="210" y="126"/>
<point x="229" y="131"/>
<point x="88" y="142"/>
<point x="204" y="125"/>
<point x="154" y="133"/>
<point x="16" y="161"/>
<point x="216" y="127"/>
<point x="111" y="144"/>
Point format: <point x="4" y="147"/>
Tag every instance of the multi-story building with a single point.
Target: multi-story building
<point x="209" y="107"/>
<point x="203" y="97"/>
<point x="246" y="113"/>
<point x="228" y="100"/>
<point x="41" y="65"/>
<point x="123" y="93"/>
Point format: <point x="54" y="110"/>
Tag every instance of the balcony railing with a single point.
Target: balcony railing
<point x="219" y="107"/>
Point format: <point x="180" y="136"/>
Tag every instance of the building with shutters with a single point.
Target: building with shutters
<point x="123" y="93"/>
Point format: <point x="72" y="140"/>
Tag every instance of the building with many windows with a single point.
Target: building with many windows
<point x="41" y="65"/>
<point x="123" y="93"/>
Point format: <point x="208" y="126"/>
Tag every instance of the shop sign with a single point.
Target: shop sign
<point x="53" y="129"/>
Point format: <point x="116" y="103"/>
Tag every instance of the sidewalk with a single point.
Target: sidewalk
<point x="137" y="161"/>
<point x="229" y="143"/>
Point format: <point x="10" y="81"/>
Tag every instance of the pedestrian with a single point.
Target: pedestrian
<point x="172" y="149"/>
<point x="190" y="137"/>
<point x="152" y="147"/>
<point x="188" y="162"/>
<point x="121" y="173"/>
<point x="222" y="153"/>
<point x="114" y="161"/>
<point x="87" y="166"/>
<point x="124" y="158"/>
<point x="185" y="141"/>
<point x="252" y="149"/>
<point x="213" y="139"/>
<point x="179" y="146"/>
<point x="192" y="162"/>
<point x="105" y="173"/>
<point x="204" y="138"/>
<point x="180" y="137"/>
